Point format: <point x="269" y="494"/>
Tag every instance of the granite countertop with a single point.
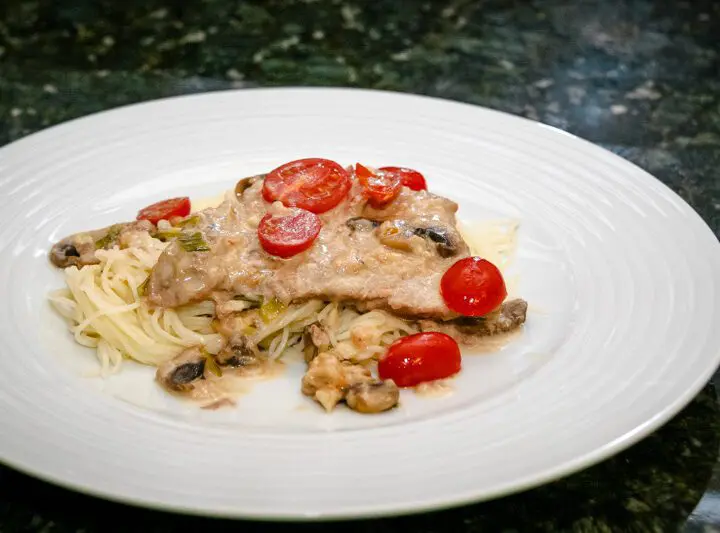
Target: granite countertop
<point x="640" y="78"/>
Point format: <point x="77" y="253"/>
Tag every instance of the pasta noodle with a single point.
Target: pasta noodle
<point x="104" y="308"/>
<point x="105" y="311"/>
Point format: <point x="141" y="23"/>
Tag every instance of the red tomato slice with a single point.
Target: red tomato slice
<point x="421" y="357"/>
<point x="313" y="184"/>
<point x="174" y="207"/>
<point x="381" y="188"/>
<point x="285" y="236"/>
<point x="473" y="287"/>
<point x="408" y="177"/>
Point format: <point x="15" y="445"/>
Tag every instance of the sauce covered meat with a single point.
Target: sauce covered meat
<point x="391" y="258"/>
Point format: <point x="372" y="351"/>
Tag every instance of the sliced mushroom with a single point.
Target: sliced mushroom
<point x="245" y="184"/>
<point x="188" y="372"/>
<point x="64" y="254"/>
<point x="445" y="244"/>
<point x="507" y="317"/>
<point x="179" y="373"/>
<point x="373" y="397"/>
<point x="76" y="250"/>
<point x="79" y="249"/>
<point x="512" y="314"/>
<point x="467" y="330"/>
<point x="310" y="351"/>
<point x="240" y="352"/>
<point x="361" y="224"/>
<point x="316" y="340"/>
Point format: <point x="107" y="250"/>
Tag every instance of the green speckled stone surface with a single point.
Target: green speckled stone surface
<point x="641" y="78"/>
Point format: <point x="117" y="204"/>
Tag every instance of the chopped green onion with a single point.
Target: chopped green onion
<point x="143" y="287"/>
<point x="190" y="221"/>
<point x="167" y="235"/>
<point x="193" y="242"/>
<point x="109" y="238"/>
<point x="212" y="366"/>
<point x="210" y="362"/>
<point x="269" y="311"/>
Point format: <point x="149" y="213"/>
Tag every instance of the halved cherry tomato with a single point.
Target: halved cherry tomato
<point x="313" y="184"/>
<point x="381" y="188"/>
<point x="473" y="287"/>
<point x="421" y="357"/>
<point x="285" y="236"/>
<point x="174" y="207"/>
<point x="408" y="177"/>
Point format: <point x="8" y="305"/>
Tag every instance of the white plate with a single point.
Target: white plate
<point x="621" y="275"/>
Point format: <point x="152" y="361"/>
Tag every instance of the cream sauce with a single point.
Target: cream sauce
<point x="493" y="343"/>
<point x="217" y="391"/>
<point x="343" y="264"/>
<point x="434" y="389"/>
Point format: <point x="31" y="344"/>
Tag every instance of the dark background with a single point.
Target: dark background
<point x="641" y="78"/>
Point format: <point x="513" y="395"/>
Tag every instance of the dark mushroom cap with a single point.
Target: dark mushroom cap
<point x="373" y="396"/>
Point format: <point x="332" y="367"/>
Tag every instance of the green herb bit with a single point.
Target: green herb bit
<point x="142" y="288"/>
<point x="210" y="362"/>
<point x="190" y="221"/>
<point x="193" y="242"/>
<point x="167" y="235"/>
<point x="270" y="310"/>
<point x="109" y="238"/>
<point x="212" y="366"/>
